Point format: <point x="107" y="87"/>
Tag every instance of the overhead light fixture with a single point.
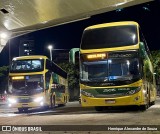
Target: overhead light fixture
<point x="50" y="47"/>
<point x="3" y="35"/>
<point x="4" y="11"/>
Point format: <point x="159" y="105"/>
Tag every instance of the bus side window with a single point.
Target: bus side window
<point x="62" y="89"/>
<point x="58" y="88"/>
<point x="48" y="65"/>
<point x="47" y="78"/>
<point x="133" y="69"/>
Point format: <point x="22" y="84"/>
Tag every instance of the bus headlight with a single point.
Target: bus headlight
<point x="133" y="91"/>
<point x="86" y="93"/>
<point x="38" y="99"/>
<point x="12" y="100"/>
<point x="144" y="91"/>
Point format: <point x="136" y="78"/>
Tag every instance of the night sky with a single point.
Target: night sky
<point x="69" y="35"/>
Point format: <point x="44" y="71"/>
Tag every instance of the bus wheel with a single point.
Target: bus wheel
<point x="51" y="101"/>
<point x="144" y="107"/>
<point x="54" y="100"/>
<point x="79" y="100"/>
<point x="152" y="103"/>
<point x="61" y="105"/>
<point x="99" y="109"/>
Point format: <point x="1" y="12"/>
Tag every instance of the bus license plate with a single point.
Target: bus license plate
<point x="110" y="101"/>
<point x="24" y="105"/>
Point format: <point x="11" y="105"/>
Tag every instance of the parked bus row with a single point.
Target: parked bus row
<point x="115" y="70"/>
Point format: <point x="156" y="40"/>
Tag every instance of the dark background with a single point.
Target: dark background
<point x="69" y="35"/>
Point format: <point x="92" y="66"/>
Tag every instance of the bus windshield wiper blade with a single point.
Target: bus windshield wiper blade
<point x="123" y="78"/>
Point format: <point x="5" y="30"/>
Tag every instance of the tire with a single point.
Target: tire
<point x="152" y="103"/>
<point x="51" y="101"/>
<point x="61" y="105"/>
<point x="99" y="108"/>
<point x="144" y="107"/>
<point x="65" y="101"/>
<point x="54" y="100"/>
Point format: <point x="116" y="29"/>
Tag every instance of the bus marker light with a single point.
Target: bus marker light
<point x="92" y="56"/>
<point x="17" y="77"/>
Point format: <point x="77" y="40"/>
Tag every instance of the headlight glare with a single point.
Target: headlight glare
<point x="38" y="99"/>
<point x="12" y="100"/>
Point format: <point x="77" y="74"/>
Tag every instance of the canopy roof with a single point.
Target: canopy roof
<point x="18" y="17"/>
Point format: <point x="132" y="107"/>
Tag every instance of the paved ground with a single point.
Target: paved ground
<point x="74" y="114"/>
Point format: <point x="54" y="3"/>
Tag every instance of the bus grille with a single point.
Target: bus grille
<point x="25" y="100"/>
<point x="109" y="95"/>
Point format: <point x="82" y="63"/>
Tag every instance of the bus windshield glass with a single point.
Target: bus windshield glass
<point x="27" y="65"/>
<point x="110" y="70"/>
<point x="115" y="36"/>
<point x="29" y="84"/>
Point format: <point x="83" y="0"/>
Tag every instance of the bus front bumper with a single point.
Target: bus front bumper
<point x="135" y="99"/>
<point x="38" y="102"/>
<point x="25" y="105"/>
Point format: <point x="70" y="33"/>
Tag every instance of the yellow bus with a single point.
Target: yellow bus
<point x="35" y="81"/>
<point x="116" y="67"/>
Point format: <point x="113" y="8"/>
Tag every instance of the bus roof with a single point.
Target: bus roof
<point x="112" y="24"/>
<point x="31" y="57"/>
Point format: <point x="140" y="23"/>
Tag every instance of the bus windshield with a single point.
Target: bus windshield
<point x="110" y="70"/>
<point x="27" y="65"/>
<point x="29" y="85"/>
<point x="115" y="36"/>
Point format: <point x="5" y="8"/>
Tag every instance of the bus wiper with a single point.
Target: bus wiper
<point x="22" y="88"/>
<point x="99" y="79"/>
<point x="125" y="78"/>
<point x="105" y="79"/>
<point x="86" y="80"/>
<point x="92" y="79"/>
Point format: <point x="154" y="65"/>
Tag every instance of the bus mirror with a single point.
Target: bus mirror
<point x="142" y="49"/>
<point x="72" y="55"/>
<point x="133" y="68"/>
<point x="141" y="43"/>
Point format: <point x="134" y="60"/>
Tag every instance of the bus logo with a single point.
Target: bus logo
<point x="109" y="90"/>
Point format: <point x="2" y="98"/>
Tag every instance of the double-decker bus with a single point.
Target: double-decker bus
<point x="116" y="67"/>
<point x="35" y="81"/>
